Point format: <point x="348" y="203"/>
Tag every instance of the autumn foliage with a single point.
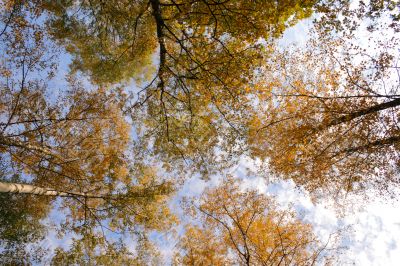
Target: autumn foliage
<point x="245" y="227"/>
<point x="159" y="91"/>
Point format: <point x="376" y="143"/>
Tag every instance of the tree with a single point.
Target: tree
<point x="246" y="228"/>
<point x="20" y="229"/>
<point x="90" y="250"/>
<point x="331" y="122"/>
<point x="194" y="97"/>
<point x="67" y="153"/>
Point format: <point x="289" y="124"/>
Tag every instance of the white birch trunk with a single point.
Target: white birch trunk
<point x="17" y="188"/>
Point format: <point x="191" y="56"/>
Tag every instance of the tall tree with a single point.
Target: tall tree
<point x="91" y="250"/>
<point x="197" y="62"/>
<point x="67" y="152"/>
<point x="243" y="227"/>
<point x="207" y="54"/>
<point x="331" y="118"/>
<point x="20" y="227"/>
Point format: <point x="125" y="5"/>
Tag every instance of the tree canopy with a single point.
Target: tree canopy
<point x="244" y="227"/>
<point x="330" y="120"/>
<point x="196" y="61"/>
<point x="158" y="90"/>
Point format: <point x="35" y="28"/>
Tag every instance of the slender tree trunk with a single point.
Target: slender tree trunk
<point x="366" y="111"/>
<point x="346" y="118"/>
<point x="17" y="188"/>
<point x="12" y="142"/>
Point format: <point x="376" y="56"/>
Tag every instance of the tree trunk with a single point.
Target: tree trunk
<point x="369" y="110"/>
<point x="19" y="144"/>
<point x="17" y="188"/>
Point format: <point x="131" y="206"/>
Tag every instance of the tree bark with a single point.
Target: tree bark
<point x="12" y="142"/>
<point x="366" y="111"/>
<point x="17" y="188"/>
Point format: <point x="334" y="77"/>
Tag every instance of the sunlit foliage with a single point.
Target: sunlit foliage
<point x="243" y="227"/>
